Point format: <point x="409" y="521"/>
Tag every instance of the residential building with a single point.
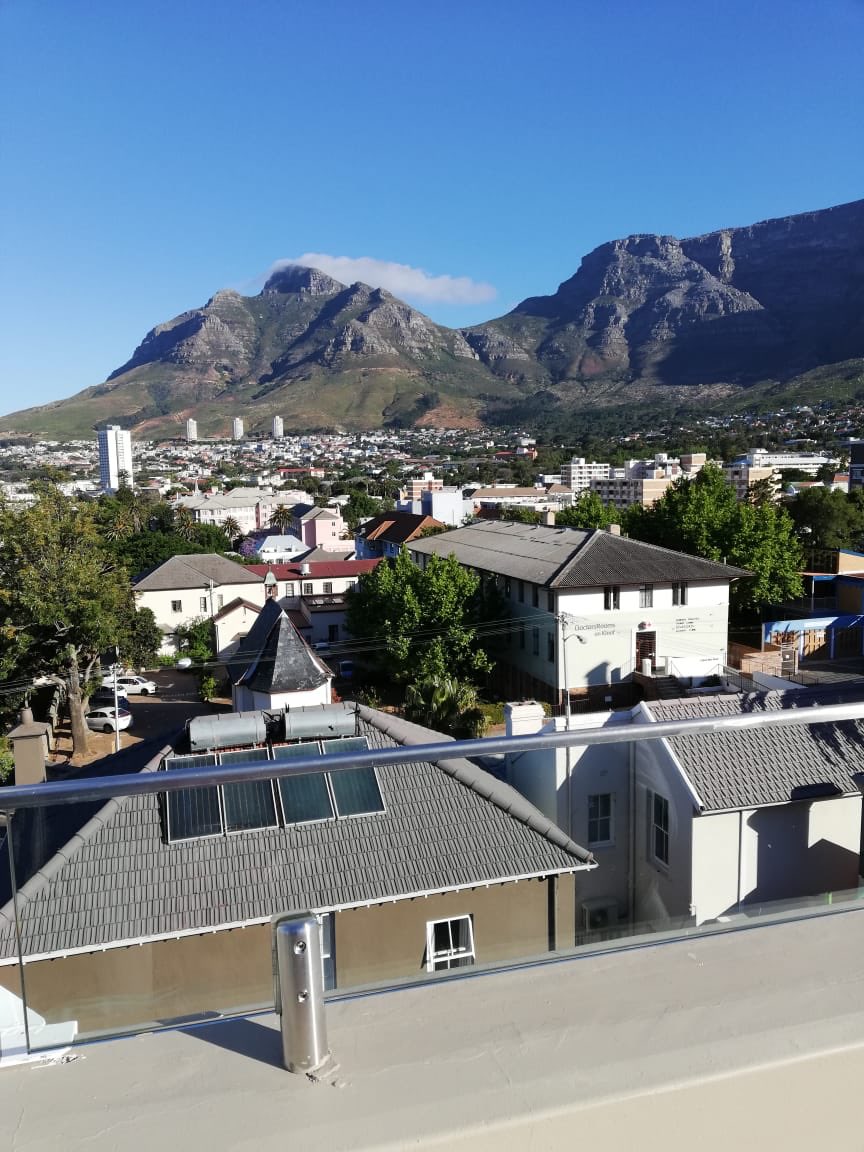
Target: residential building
<point x="250" y="507"/>
<point x="742" y="477"/>
<point x="590" y="608"/>
<point x="446" y="505"/>
<point x="696" y="827"/>
<point x="231" y="623"/>
<point x="281" y="549"/>
<point x="645" y="481"/>
<point x="802" y="461"/>
<point x="578" y="473"/>
<point x="278" y="428"/>
<point x="185" y="588"/>
<point x="385" y="534"/>
<point x="191" y="430"/>
<point x="490" y="501"/>
<point x="410" y="867"/>
<point x="115" y="458"/>
<point x="313" y="593"/>
<point x="237" y="431"/>
<point x="319" y="527"/>
<point x="416" y="486"/>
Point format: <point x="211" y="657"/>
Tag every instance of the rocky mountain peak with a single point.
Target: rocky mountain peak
<point x="300" y="279"/>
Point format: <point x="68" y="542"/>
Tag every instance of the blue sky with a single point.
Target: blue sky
<point x="156" y="151"/>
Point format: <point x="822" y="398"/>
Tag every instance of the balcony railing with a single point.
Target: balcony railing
<point x="127" y="984"/>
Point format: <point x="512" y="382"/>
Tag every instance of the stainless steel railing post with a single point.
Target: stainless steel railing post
<point x="299" y="990"/>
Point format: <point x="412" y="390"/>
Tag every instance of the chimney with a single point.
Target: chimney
<point x="549" y="518"/>
<point x="30" y="742"/>
<point x="523" y="717"/>
<point x="614" y="529"/>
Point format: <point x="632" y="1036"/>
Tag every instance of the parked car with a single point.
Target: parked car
<point x="346" y="669"/>
<point x="129" y="685"/>
<point x="108" y="720"/>
<point x="106" y="696"/>
<point x="184" y="663"/>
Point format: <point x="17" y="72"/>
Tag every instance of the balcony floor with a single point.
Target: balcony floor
<point x="750" y="1039"/>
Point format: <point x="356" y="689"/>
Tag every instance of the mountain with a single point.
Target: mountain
<point x="646" y="319"/>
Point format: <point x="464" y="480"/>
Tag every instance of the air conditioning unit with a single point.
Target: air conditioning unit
<point x="599" y="914"/>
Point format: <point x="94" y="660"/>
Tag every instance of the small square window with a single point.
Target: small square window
<point x="449" y="943"/>
<point x="328" y="587"/>
<point x="601" y="807"/>
<point x="176" y="605"/>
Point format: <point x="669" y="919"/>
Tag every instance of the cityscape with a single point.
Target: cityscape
<point x="432" y="577"/>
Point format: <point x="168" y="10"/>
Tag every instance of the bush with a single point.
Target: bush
<point x="207" y="687"/>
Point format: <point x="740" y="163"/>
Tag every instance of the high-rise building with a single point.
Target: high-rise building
<point x="278" y="428"/>
<point x="237" y="431"/>
<point x="115" y="458"/>
<point x="191" y="430"/>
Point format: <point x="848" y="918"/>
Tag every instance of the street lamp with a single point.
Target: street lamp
<point x="564" y="618"/>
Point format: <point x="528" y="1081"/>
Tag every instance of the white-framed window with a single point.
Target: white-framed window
<point x="611" y="597"/>
<point x="646" y="596"/>
<point x="289" y="588"/>
<point x="659" y="827"/>
<point x="601" y="818"/>
<point x="449" y="943"/>
<point x="220" y="601"/>
<point x="679" y="593"/>
<point x="328" y="587"/>
<point x="307" y="588"/>
<point x="176" y="605"/>
<point x="202" y="603"/>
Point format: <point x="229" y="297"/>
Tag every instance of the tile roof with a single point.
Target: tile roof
<point x="568" y="557"/>
<point x="397" y="527"/>
<point x="180" y="572"/>
<point x="756" y="766"/>
<point x="444" y="827"/>
<point x="318" y="569"/>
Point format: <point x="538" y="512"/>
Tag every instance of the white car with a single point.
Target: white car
<point x="184" y="663"/>
<point x="107" y="720"/>
<point x="131" y="684"/>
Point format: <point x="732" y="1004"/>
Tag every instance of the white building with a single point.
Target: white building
<point x="589" y="608"/>
<point x="278" y="428"/>
<point x="700" y="827"/>
<point x="447" y="505"/>
<point x="645" y="481"/>
<point x="115" y="458"/>
<point x="191" y="430"/>
<point x="185" y="588"/>
<point x="578" y="474"/>
<point x="250" y="507"/>
<point x="804" y="461"/>
<point x="237" y="428"/>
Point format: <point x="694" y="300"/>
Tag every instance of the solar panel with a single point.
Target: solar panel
<point x="251" y="804"/>
<point x="304" y="797"/>
<point x="193" y="812"/>
<point x="345" y="744"/>
<point x="356" y="792"/>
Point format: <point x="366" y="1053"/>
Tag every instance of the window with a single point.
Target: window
<point x="521" y="635"/>
<point x="601" y="828"/>
<point x="307" y="588"/>
<point x="328" y="587"/>
<point x="535" y="641"/>
<point x="520" y="591"/>
<point x="550" y="601"/>
<point x="449" y="944"/>
<point x="659" y="809"/>
<point x="202" y="603"/>
<point x="332" y="633"/>
<point x="508" y="587"/>
<point x="550" y="647"/>
<point x="535" y="596"/>
<point x="611" y="597"/>
<point x="220" y="600"/>
<point x="176" y="605"/>
<point x="646" y="596"/>
<point x="679" y="593"/>
<point x="289" y="588"/>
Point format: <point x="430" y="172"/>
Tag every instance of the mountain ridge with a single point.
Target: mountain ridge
<point x="643" y="317"/>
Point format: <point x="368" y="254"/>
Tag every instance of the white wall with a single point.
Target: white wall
<point x="781" y="852"/>
<point x="160" y="603"/>
<point x="232" y="628"/>
<point x="244" y="700"/>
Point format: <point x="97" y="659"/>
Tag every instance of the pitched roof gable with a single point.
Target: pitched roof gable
<point x="181" y="572"/>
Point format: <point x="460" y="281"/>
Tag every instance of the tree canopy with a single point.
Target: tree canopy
<point x="703" y="517"/>
<point x="828" y="519"/>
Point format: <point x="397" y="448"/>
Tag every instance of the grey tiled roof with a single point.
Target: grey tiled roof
<point x="568" y="557"/>
<point x="119" y="880"/>
<point x="194" y="571"/>
<point x="273" y="656"/>
<point x="755" y="767"/>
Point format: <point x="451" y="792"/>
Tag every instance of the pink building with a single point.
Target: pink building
<point x="319" y="527"/>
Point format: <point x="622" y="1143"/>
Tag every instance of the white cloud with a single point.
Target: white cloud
<point x="400" y="279"/>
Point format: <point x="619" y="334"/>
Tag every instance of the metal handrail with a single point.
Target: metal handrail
<point x="146" y="783"/>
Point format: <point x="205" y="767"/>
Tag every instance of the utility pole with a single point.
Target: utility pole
<point x="116" y="704"/>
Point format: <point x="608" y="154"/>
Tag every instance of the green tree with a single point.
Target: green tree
<point x="231" y="528"/>
<point x="447" y="705"/>
<point x="419" y="623"/>
<point x="184" y="523"/>
<point x="519" y="514"/>
<point x="828" y="519"/>
<point x="360" y="507"/>
<point x="197" y="639"/>
<point x="281" y="518"/>
<point x="703" y="518"/>
<point x="64" y="599"/>
<point x="210" y="538"/>
<point x="587" y="511"/>
<point x="143" y="639"/>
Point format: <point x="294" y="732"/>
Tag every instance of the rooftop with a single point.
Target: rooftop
<point x="194" y="571"/>
<point x="691" y="1043"/>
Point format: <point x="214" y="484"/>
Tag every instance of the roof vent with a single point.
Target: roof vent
<point x="305" y="569"/>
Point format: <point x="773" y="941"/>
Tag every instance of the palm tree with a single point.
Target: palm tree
<point x="184" y="523"/>
<point x="281" y="518"/>
<point x="120" y="526"/>
<point x="231" y="528"/>
<point x="447" y="705"/>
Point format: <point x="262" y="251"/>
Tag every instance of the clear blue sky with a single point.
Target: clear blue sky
<point x="157" y="150"/>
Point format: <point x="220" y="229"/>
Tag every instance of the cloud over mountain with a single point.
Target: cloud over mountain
<point x="400" y="279"/>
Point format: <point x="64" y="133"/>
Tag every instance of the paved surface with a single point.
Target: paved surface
<point x="746" y="1040"/>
